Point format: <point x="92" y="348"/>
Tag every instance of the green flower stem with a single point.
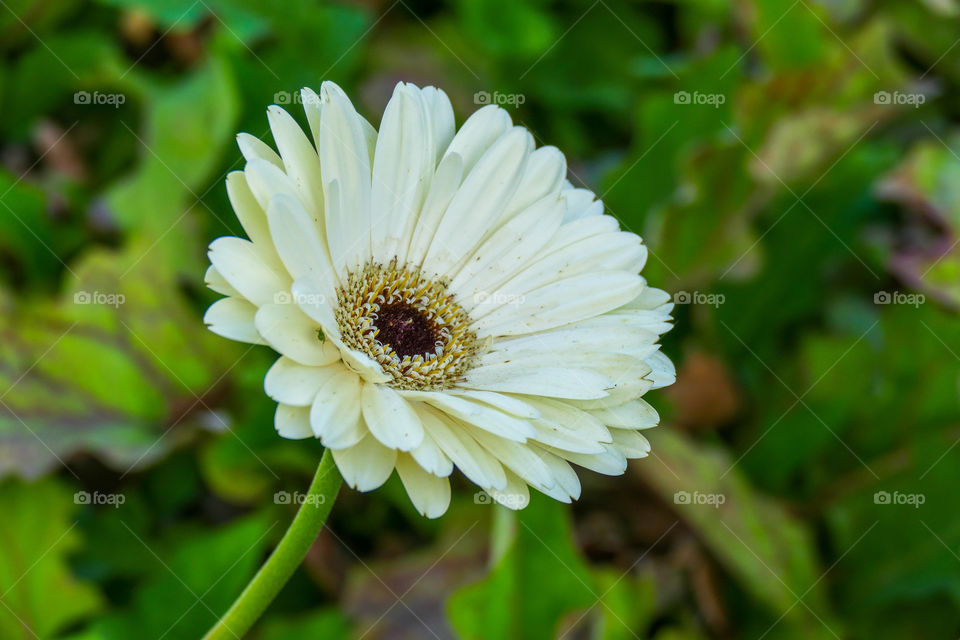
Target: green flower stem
<point x="285" y="559"/>
<point x="502" y="532"/>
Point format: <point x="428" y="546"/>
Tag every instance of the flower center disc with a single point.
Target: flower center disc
<point x="406" y="329"/>
<point x="408" y="323"/>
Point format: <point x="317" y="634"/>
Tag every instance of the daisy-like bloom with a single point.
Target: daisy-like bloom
<point x="439" y="298"/>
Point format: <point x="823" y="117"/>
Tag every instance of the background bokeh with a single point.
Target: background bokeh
<point x="793" y="167"/>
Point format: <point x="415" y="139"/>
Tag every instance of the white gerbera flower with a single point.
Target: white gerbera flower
<point x="439" y="299"/>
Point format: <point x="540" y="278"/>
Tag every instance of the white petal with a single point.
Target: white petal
<point x="299" y="243"/>
<point x="366" y="465"/>
<point x="510" y="404"/>
<point x="663" y="373"/>
<point x="293" y="422"/>
<point x="478" y="133"/>
<point x="233" y="318"/>
<point x="473" y="460"/>
<point x="630" y="383"/>
<point x="518" y="457"/>
<point x="218" y="283"/>
<point x="561" y="302"/>
<point x="254" y="148"/>
<point x="500" y="365"/>
<point x="295" y="335"/>
<point x="566" y="478"/>
<point x="636" y="414"/>
<point x="569" y="341"/>
<point x="429" y="494"/>
<point x="616" y="251"/>
<point x="247" y="271"/>
<point x="300" y="160"/>
<point x="560" y="437"/>
<point x="568" y="417"/>
<point x="610" y="463"/>
<point x="651" y="298"/>
<point x="630" y="443"/>
<point x="249" y="212"/>
<point x="312" y="294"/>
<point x="581" y="203"/>
<point x="443" y="187"/>
<point x="515" y="495"/>
<point x="267" y="181"/>
<point x="478" y="414"/>
<point x="335" y="415"/>
<point x="291" y="383"/>
<point x="479" y="201"/>
<point x="345" y="163"/>
<point x="544" y="176"/>
<point x="507" y="250"/>
<point x="390" y="417"/>
<point x="307" y="294"/>
<point x="441" y="119"/>
<point x="403" y="166"/>
<point x="430" y="456"/>
<point x="551" y="382"/>
<point x="311" y="107"/>
<point x="572" y="231"/>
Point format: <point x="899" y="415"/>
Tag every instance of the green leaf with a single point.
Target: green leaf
<point x="185" y="129"/>
<point x="40" y="596"/>
<point x="627" y="604"/>
<point x="196" y="574"/>
<point x="927" y="183"/>
<point x="540" y="578"/>
<point x="764" y="547"/>
<point x="328" y="624"/>
<point x="115" y="367"/>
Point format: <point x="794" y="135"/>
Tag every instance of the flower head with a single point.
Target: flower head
<point x="439" y="298"/>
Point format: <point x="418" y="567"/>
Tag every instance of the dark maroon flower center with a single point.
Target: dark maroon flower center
<point x="407" y="330"/>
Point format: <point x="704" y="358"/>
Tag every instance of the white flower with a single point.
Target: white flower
<point x="439" y="299"/>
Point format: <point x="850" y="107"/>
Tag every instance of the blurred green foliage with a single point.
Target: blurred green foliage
<point x="794" y="168"/>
